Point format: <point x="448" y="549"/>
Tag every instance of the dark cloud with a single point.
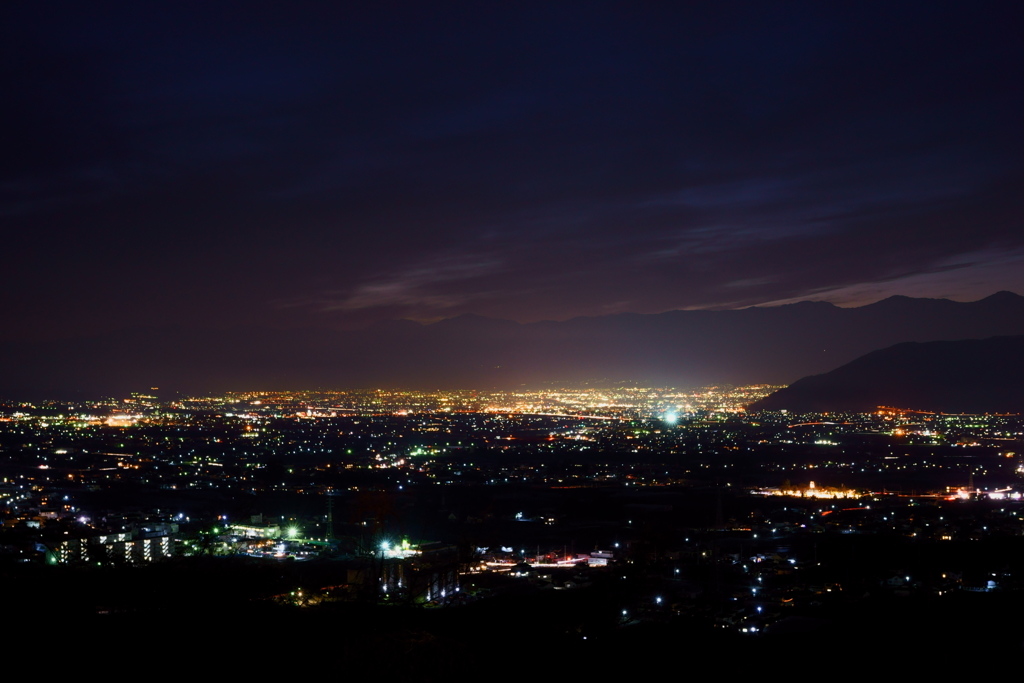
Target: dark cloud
<point x="309" y="164"/>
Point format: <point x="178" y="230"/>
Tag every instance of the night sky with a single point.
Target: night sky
<point x="335" y="164"/>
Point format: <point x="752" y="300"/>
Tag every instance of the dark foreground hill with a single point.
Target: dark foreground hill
<point x="969" y="376"/>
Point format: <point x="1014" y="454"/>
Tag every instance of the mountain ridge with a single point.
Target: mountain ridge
<point x="682" y="348"/>
<point x="964" y="376"/>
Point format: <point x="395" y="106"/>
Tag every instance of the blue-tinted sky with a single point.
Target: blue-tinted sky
<point x="295" y="164"/>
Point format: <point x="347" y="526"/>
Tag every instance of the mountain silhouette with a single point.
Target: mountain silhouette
<point x="776" y="345"/>
<point x="969" y="376"/>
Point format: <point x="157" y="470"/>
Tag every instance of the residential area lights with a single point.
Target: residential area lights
<point x="380" y="455"/>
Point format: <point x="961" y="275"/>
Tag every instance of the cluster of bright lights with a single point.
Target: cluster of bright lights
<point x="811" y="491"/>
<point x="999" y="494"/>
<point x="397" y="551"/>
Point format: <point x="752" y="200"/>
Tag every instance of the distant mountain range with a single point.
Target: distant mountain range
<point x="679" y="348"/>
<point x="969" y="376"/>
